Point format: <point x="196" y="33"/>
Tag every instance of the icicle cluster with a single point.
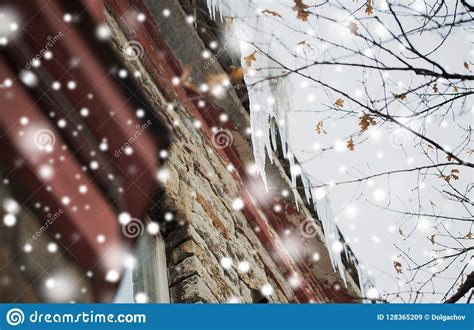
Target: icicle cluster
<point x="270" y="104"/>
<point x="214" y="6"/>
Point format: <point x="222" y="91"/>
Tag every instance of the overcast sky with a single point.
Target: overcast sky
<point x="360" y="210"/>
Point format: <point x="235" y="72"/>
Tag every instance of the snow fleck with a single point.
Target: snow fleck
<point x="112" y="276"/>
<point x="124" y="218"/>
<point x="141" y="298"/>
<point x="243" y="267"/>
<point x="28" y="78"/>
<point x="238" y="204"/>
<point x="11" y="206"/>
<point x="379" y="195"/>
<point x="226" y="263"/>
<point x="9" y="220"/>
<point x="267" y="290"/>
<point x="52" y="247"/>
<point x="153" y="228"/>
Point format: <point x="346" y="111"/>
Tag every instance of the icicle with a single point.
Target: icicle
<point x="213" y="6"/>
<point x="307" y="187"/>
<point x="331" y="233"/>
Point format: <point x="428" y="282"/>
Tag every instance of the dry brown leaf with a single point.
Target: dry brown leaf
<point x="300" y="7"/>
<point x="236" y="74"/>
<point x="432" y="239"/>
<point x="339" y="103"/>
<point x="219" y="79"/>
<point x="456" y="89"/>
<point x="250" y="58"/>
<point x="369" y="10"/>
<point x="400" y="231"/>
<point x="398" y="266"/>
<point x="435" y="88"/>
<point x="304" y="44"/>
<point x="271" y="12"/>
<point x="365" y="121"/>
<point x="400" y="97"/>
<point x="229" y="23"/>
<point x="455" y="174"/>
<point x="354" y="28"/>
<point x="320" y="128"/>
<point x="466" y="65"/>
<point x="469" y="235"/>
<point x="350" y="144"/>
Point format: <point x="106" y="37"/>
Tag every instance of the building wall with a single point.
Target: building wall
<point x="200" y="189"/>
<point x="207" y="240"/>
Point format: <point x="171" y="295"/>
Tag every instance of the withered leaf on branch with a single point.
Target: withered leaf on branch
<point x="435" y="88"/>
<point x="350" y="144"/>
<point x="320" y="128"/>
<point x="365" y="121"/>
<point x="300" y="7"/>
<point x="369" y="10"/>
<point x="213" y="80"/>
<point x="400" y="231"/>
<point x="432" y="239"/>
<point x="466" y="65"/>
<point x="303" y="43"/>
<point x="455" y="174"/>
<point x="354" y="28"/>
<point x="400" y="97"/>
<point x="229" y="22"/>
<point x="271" y="12"/>
<point x="469" y="235"/>
<point x="339" y="103"/>
<point x="398" y="266"/>
<point x="249" y="59"/>
<point x="236" y="74"/>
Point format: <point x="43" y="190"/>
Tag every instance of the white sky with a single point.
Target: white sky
<point x="371" y="231"/>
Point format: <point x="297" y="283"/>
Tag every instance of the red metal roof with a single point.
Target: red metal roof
<point x="54" y="141"/>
